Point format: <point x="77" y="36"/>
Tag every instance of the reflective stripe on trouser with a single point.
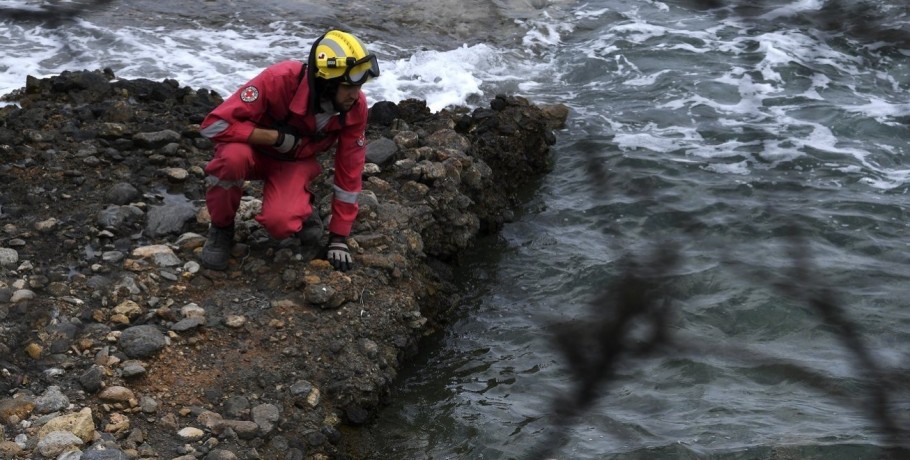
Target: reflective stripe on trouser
<point x="285" y="198"/>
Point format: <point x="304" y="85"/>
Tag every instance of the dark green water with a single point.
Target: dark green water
<point x="769" y="155"/>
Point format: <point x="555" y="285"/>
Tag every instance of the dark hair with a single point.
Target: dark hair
<point x="325" y="89"/>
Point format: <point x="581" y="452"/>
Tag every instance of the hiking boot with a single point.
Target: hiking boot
<point x="217" y="250"/>
<point x="312" y="229"/>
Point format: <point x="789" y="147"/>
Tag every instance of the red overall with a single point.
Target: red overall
<point x="280" y="94"/>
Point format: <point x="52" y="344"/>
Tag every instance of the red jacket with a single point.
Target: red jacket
<point x="267" y="100"/>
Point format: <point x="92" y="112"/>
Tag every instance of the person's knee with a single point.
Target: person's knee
<point x="231" y="162"/>
<point x="279" y="225"/>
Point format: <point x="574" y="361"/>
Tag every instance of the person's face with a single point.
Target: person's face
<point x="346" y="96"/>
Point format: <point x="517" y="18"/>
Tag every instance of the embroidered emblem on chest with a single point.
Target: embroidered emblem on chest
<point x="249" y="94"/>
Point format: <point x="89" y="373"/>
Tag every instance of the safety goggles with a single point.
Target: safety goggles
<point x="357" y="71"/>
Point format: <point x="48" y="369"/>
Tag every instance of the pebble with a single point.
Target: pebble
<point x="21" y="295"/>
<point x="191" y="434"/>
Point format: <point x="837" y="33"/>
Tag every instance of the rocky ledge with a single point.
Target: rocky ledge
<point x="115" y="344"/>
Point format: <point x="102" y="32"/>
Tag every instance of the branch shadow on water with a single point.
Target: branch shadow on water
<point x="633" y="319"/>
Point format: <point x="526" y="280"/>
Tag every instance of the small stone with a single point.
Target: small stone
<point x="175" y="174"/>
<point x="161" y="255"/>
<point x="56" y="442"/>
<point x="119" y="424"/>
<point x="313" y="398"/>
<point x="45" y="226"/>
<point x="117" y="394"/>
<point x="129" y="309"/>
<point x="266" y="415"/>
<point x="148" y="405"/>
<point x="234" y="321"/>
<point x="191" y="434"/>
<point x="132" y="368"/>
<point x="221" y="454"/>
<point x="187" y="324"/>
<point x="142" y="341"/>
<point x="92" y="379"/>
<point x="51" y="401"/>
<point x="34" y="351"/>
<point x="192" y="310"/>
<point x="9" y="449"/>
<point x="22" y="294"/>
<point x="16" y="407"/>
<point x="80" y="424"/>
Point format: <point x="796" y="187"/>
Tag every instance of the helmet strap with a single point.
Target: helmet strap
<point x="311" y="76"/>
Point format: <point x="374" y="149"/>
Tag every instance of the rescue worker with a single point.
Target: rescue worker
<point x="272" y="128"/>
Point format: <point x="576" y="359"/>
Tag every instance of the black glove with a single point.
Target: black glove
<point x="338" y="254"/>
<point x="287" y="140"/>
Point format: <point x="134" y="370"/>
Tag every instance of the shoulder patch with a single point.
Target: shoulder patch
<point x="249" y="94"/>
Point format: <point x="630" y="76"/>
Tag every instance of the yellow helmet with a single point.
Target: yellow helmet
<point x="339" y="54"/>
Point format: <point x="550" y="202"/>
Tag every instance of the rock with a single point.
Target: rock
<point x="105" y="454"/>
<point x="383" y="113"/>
<point x="448" y="139"/>
<point x="156" y="139"/>
<point x="192" y="310"/>
<point x="169" y="219"/>
<point x="220" y="454"/>
<point x="129" y="309"/>
<point x="318" y="294"/>
<point x="47" y="225"/>
<point x="8" y="257"/>
<point x="244" y="429"/>
<point x="51" y="401"/>
<point x="79" y="424"/>
<point x="119" y="423"/>
<point x="132" y="369"/>
<point x="190" y="434"/>
<point x="209" y="419"/>
<point x="142" y="341"/>
<point x="234" y="321"/>
<point x="117" y="394"/>
<point x="175" y="174"/>
<point x="18" y="407"/>
<point x="407" y="140"/>
<point x="54" y="443"/>
<point x="22" y="295"/>
<point x="357" y="415"/>
<point x="161" y="255"/>
<point x="9" y="449"/>
<point x="236" y="407"/>
<point x="92" y="379"/>
<point x="187" y="324"/>
<point x="114" y="218"/>
<point x="381" y="150"/>
<point x="266" y="415"/>
<point x="33" y="350"/>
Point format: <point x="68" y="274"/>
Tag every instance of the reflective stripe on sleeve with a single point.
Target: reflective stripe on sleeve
<point x="345" y="196"/>
<point x="214" y="129"/>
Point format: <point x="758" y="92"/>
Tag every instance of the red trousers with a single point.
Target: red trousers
<point x="286" y="201"/>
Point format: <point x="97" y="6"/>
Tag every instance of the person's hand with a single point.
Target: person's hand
<point x="287" y="141"/>
<point x="338" y="254"/>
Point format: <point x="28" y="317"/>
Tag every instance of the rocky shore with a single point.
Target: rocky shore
<point x="116" y="344"/>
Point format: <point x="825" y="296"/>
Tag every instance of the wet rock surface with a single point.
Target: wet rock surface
<point x="115" y="343"/>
